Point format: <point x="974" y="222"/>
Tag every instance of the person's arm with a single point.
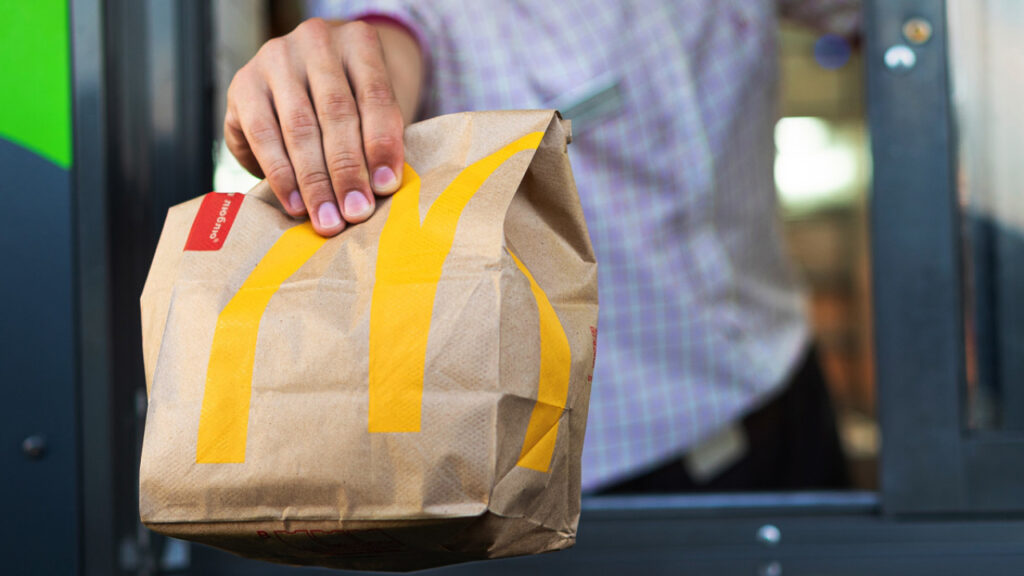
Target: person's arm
<point x="320" y="113"/>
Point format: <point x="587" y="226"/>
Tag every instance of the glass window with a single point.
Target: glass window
<point x="986" y="49"/>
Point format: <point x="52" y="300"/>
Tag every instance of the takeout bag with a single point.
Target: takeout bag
<point x="410" y="393"/>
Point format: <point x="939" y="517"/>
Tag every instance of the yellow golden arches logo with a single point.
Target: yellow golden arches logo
<point x="552" y="383"/>
<point x="224" y="416"/>
<point x="409" y="261"/>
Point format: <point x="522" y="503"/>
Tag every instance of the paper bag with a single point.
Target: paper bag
<point x="410" y="393"/>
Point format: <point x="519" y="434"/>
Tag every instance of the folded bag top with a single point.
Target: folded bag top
<point x="410" y="393"/>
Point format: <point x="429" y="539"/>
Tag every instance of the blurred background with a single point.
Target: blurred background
<point x="908" y="238"/>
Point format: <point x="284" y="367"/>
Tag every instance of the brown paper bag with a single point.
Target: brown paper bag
<point x="410" y="393"/>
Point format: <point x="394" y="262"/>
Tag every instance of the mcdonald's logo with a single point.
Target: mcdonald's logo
<point x="410" y="258"/>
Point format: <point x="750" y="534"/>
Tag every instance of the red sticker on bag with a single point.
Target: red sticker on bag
<point x="213" y="221"/>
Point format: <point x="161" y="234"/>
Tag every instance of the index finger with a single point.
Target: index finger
<point x="263" y="136"/>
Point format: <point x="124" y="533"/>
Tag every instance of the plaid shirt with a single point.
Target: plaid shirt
<point x="674" y="105"/>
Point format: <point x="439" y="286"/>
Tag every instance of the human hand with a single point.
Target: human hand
<point x="316" y="113"/>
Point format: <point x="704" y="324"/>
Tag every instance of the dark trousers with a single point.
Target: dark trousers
<point x="793" y="444"/>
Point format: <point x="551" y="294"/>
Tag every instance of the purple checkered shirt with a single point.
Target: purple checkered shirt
<point x="675" y="101"/>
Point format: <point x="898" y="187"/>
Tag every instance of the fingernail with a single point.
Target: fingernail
<point x="328" y="215"/>
<point x="356" y="205"/>
<point x="384" y="180"/>
<point x="295" y="201"/>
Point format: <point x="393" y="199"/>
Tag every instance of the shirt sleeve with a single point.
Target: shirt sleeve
<point x="839" y="17"/>
<point x="399" y="12"/>
<point x="422" y="19"/>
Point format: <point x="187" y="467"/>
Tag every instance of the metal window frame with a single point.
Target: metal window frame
<point x="930" y="462"/>
<point x="919" y="338"/>
<point x="818" y="533"/>
<point x="141" y="81"/>
<point x="89" y="181"/>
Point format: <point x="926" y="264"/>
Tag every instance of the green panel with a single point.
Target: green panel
<point x="35" y="101"/>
